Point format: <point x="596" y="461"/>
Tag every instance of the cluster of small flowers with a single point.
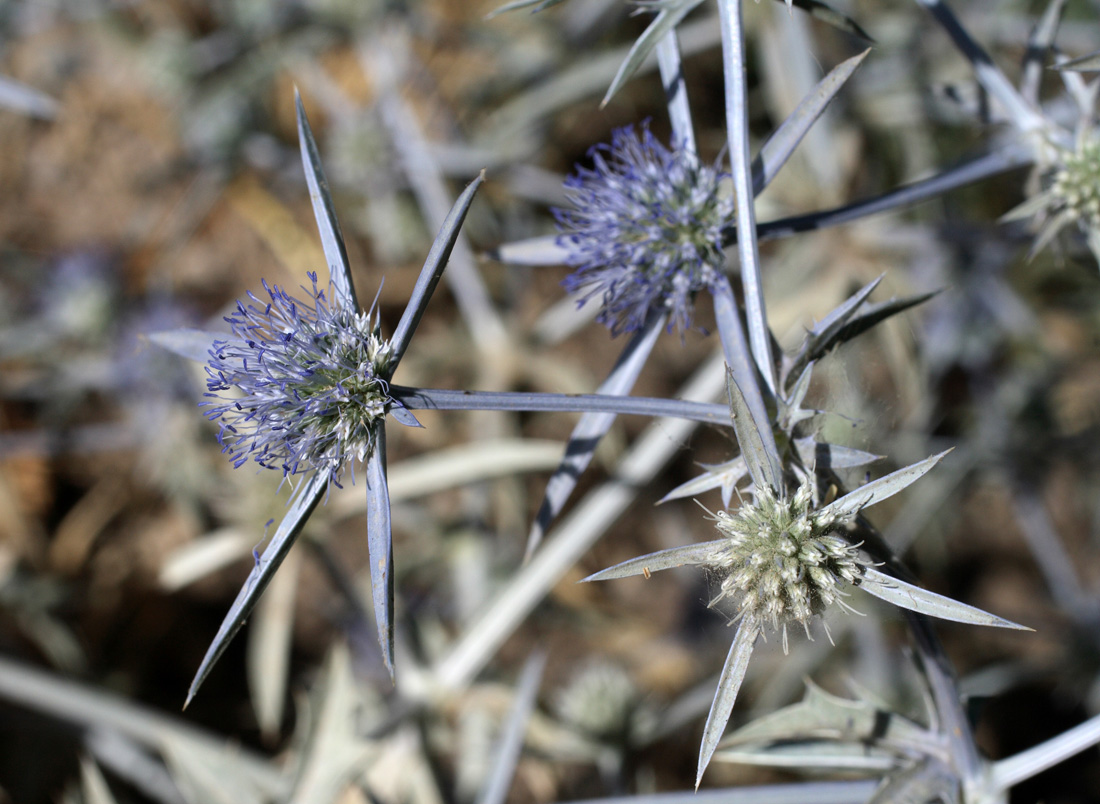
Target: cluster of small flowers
<point x="301" y="384"/>
<point x="645" y="229"/>
<point x="781" y="563"/>
<point x="1076" y="185"/>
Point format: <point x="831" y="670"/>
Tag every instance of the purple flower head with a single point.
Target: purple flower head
<point x="645" y="230"/>
<point x="303" y="385"/>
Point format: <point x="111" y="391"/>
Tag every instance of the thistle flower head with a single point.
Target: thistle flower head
<point x="645" y="230"/>
<point x="1076" y="186"/>
<point x="781" y="561"/>
<point x="302" y="386"/>
<point x="1070" y="195"/>
<point x="599" y="700"/>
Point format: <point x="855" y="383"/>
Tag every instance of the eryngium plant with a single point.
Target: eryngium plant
<point x="785" y="559"/>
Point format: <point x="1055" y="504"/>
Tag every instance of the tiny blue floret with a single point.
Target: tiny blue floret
<point x="301" y="386"/>
<point x="645" y="230"/>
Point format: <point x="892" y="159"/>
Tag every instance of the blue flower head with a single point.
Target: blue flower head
<point x="302" y="386"/>
<point x="645" y="230"/>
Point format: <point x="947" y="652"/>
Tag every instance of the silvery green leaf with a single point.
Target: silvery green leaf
<point x="790" y="410"/>
<point x="827" y="328"/>
<point x="543" y="250"/>
<point x="402" y="415"/>
<point x="823" y="336"/>
<point x="506" y="753"/>
<point x="93" y="785"/>
<point x="1038" y="49"/>
<point x="335" y="749"/>
<point x="727" y="317"/>
<point x="1086" y="63"/>
<point x="797" y="394"/>
<point x="930" y="779"/>
<point x="670" y="15"/>
<point x="380" y="546"/>
<point x="305" y="499"/>
<point x="432" y="271"/>
<point x="729" y="683"/>
<point x="826" y="717"/>
<point x="541" y="5"/>
<point x="763" y="463"/>
<point x="207" y="774"/>
<point x="269" y="643"/>
<point x="332" y="240"/>
<point x="1031" y="206"/>
<point x="778" y="148"/>
<point x="878" y="490"/>
<point x="194" y="344"/>
<point x="592" y="427"/>
<point x="908" y="596"/>
<point x="874" y="314"/>
<point x="831" y="456"/>
<point x="26" y="100"/>
<point x="804" y="756"/>
<point x="827" y="14"/>
<point x="722" y="475"/>
<point x="1049" y="230"/>
<point x="1020" y="767"/>
<point x="698" y="553"/>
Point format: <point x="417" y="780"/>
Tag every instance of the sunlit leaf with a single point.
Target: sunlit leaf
<point x="878" y="490"/>
<point x="725" y="476"/>
<point x="832" y="456"/>
<point x="332" y="239"/>
<point x="698" y="553"/>
<point x="729" y="683"/>
<point x="592" y="427"/>
<point x="432" y="270"/>
<point x="763" y="463"/>
<point x="911" y="597"/>
<point x="1087" y="63"/>
<point x="194" y="344"/>
<point x="380" y="547"/>
<point x="778" y="148"/>
<point x="303" y="502"/>
<point x="670" y="15"/>
<point x="506" y="753"/>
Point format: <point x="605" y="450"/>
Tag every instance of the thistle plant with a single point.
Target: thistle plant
<point x="304" y="387"/>
<point x="784" y="559"/>
<point x="644" y="231"/>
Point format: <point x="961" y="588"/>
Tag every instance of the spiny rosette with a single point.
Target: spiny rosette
<point x="782" y="561"/>
<point x="302" y="386"/>
<point x="1076" y="186"/>
<point x="645" y="229"/>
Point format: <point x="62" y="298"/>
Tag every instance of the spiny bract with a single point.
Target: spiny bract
<point x="781" y="563"/>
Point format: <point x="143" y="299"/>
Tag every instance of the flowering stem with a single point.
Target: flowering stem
<point x="737" y="358"/>
<point x="446" y="399"/>
<point x="737" y="127"/>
